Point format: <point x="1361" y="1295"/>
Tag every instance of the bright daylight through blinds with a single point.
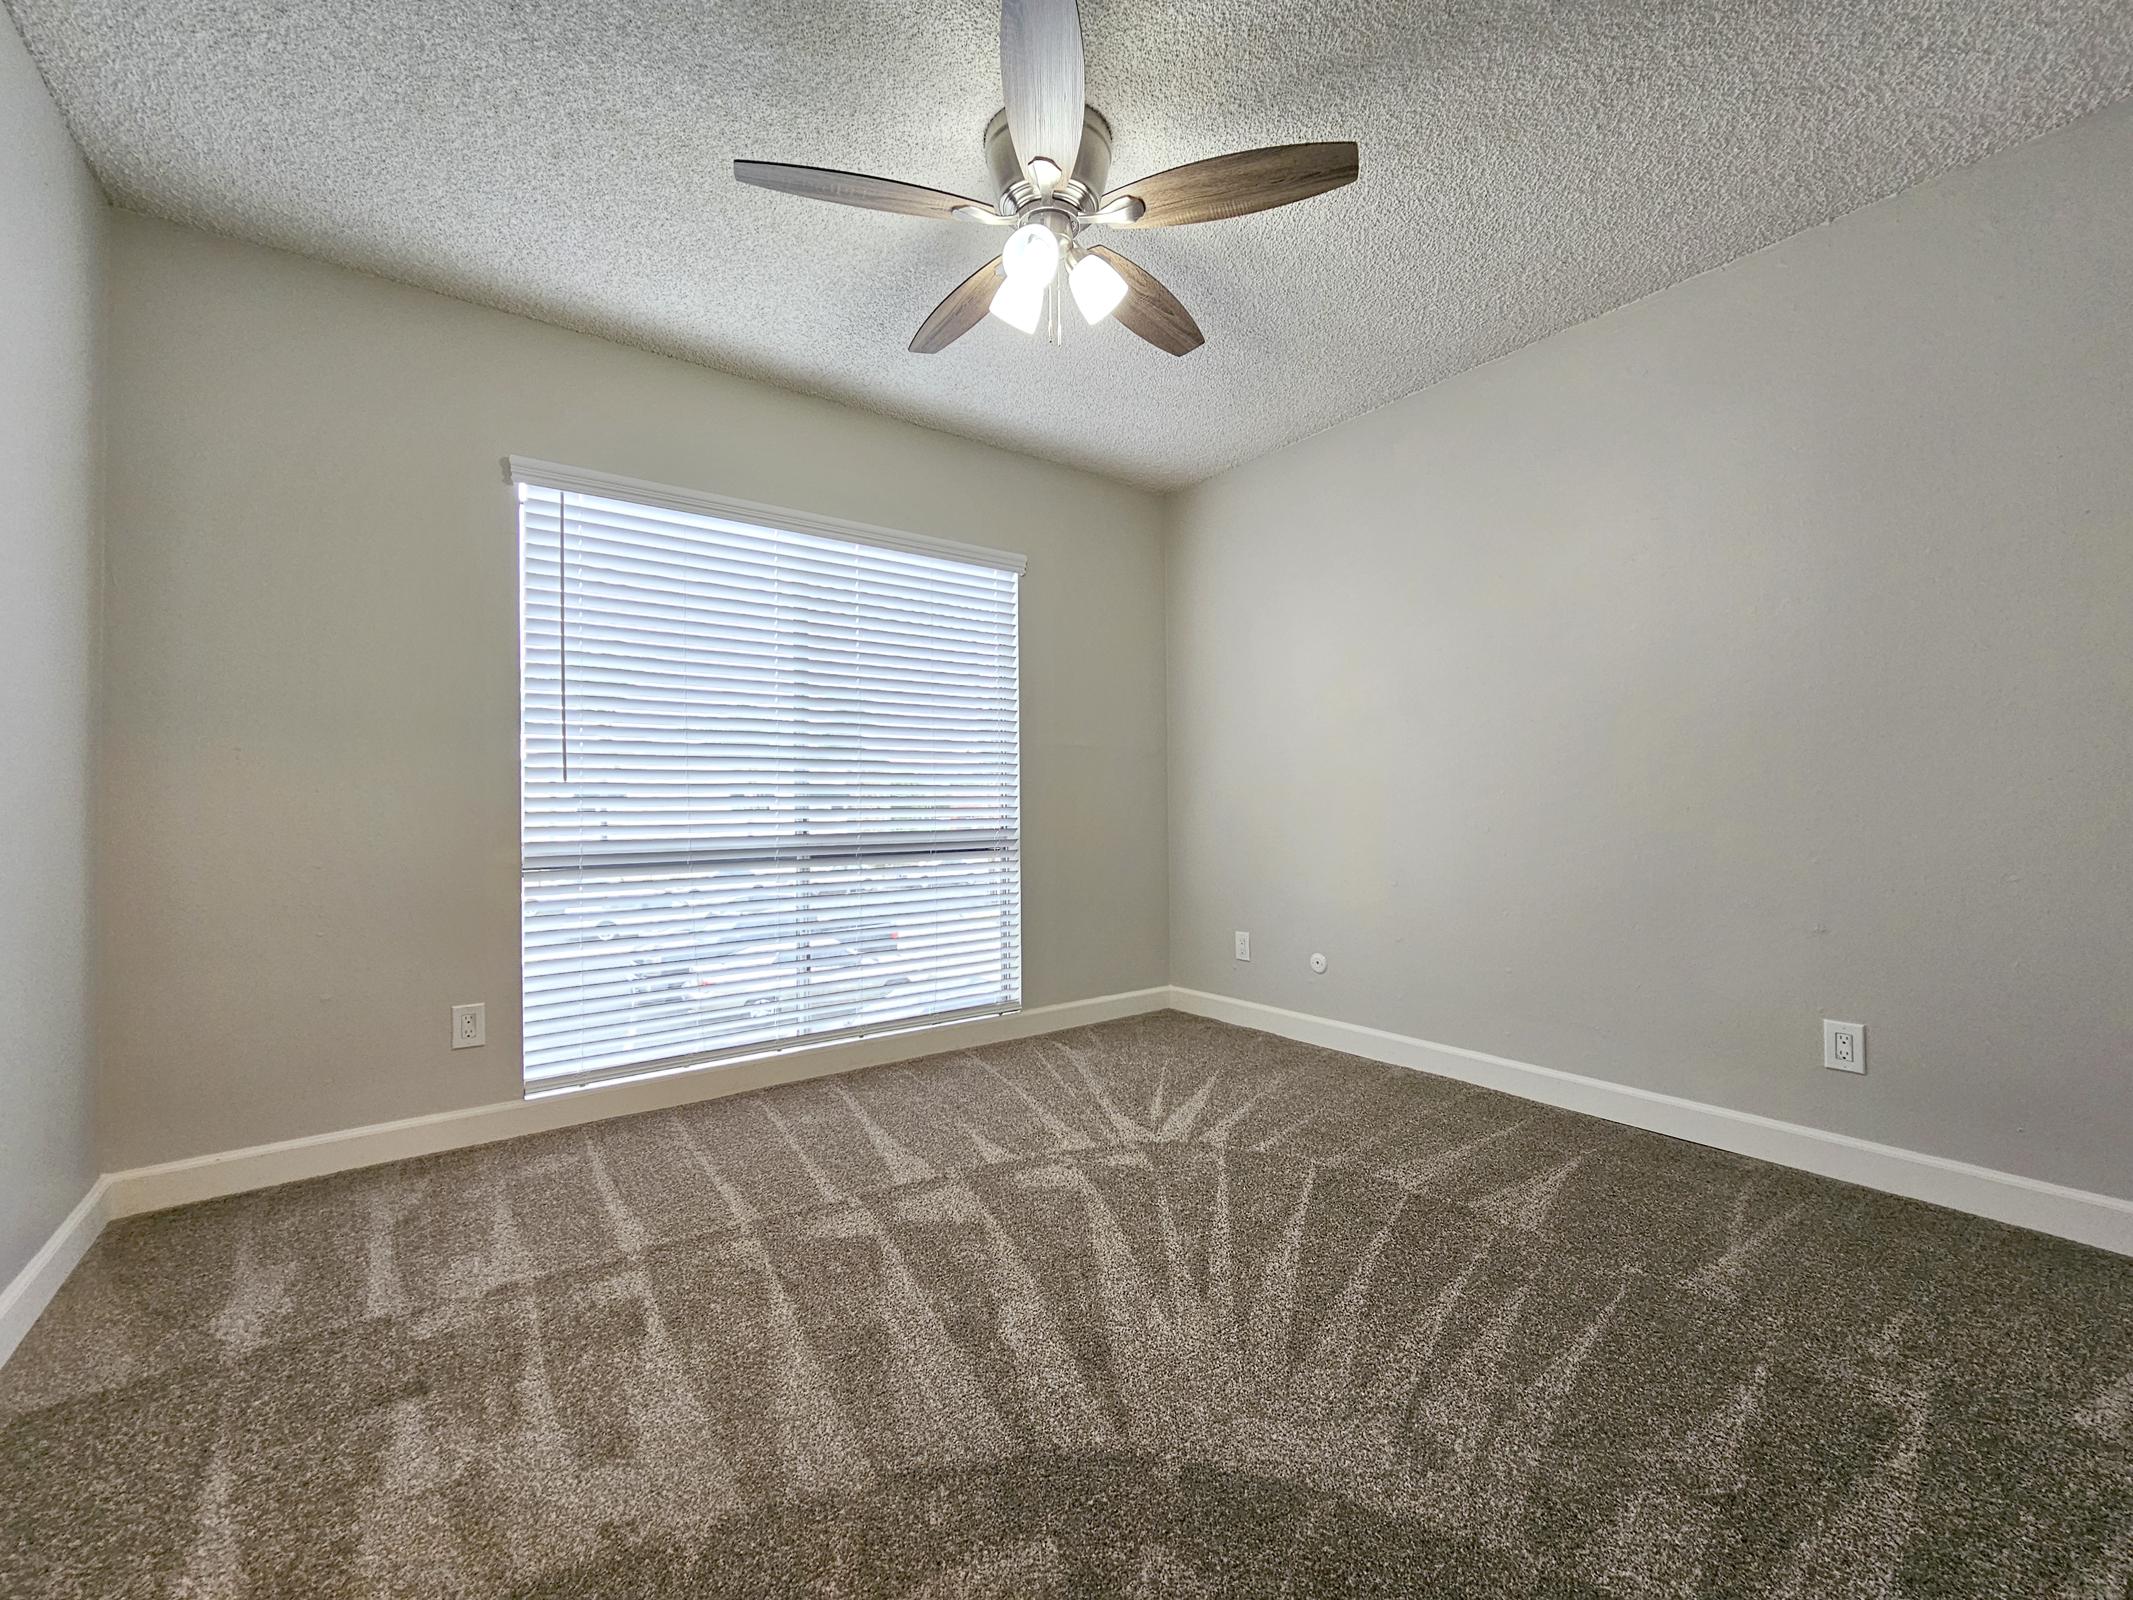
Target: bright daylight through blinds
<point x="770" y="783"/>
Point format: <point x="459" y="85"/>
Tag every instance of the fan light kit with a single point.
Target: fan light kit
<point x="1050" y="154"/>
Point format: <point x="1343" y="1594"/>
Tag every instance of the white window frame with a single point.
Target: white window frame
<point x="556" y="476"/>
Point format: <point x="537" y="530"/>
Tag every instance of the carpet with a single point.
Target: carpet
<point x="1155" y="1308"/>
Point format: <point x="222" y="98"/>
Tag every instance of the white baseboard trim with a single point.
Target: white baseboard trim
<point x="177" y="1183"/>
<point x="2094" y="1219"/>
<point x="2088" y="1218"/>
<point x="31" y="1290"/>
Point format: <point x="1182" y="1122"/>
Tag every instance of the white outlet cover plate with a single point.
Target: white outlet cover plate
<point x="1244" y="946"/>
<point x="470" y="1027"/>
<point x="1835" y="1036"/>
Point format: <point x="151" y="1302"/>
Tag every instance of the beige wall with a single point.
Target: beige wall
<point x="51" y="267"/>
<point x="1759" y="653"/>
<point x="312" y="705"/>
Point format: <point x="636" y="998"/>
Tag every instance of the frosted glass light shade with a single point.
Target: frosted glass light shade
<point x="1032" y="252"/>
<point x="1019" y="302"/>
<point x="1097" y="287"/>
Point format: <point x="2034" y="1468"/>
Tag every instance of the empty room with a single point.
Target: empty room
<point x="1027" y="799"/>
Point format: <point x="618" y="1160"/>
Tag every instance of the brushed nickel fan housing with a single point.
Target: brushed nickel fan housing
<point x="1082" y="189"/>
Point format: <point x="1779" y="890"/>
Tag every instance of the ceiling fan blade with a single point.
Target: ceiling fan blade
<point x="1040" y="74"/>
<point x="853" y="189"/>
<point x="963" y="310"/>
<point x="1151" y="310"/>
<point x="1237" y="185"/>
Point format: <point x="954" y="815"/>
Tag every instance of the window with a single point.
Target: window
<point x="770" y="778"/>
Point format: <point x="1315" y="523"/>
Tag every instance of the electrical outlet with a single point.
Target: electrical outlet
<point x="1244" y="947"/>
<point x="470" y="1027"/>
<point x="1844" y="1046"/>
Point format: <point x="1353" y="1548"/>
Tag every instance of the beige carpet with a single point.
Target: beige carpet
<point x="1159" y="1308"/>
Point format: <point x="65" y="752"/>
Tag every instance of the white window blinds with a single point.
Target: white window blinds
<point x="770" y="778"/>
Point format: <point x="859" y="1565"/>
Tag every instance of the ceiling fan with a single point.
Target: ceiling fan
<point x="1050" y="154"/>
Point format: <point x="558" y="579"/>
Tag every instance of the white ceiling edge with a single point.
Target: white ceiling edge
<point x="1525" y="169"/>
<point x="1951" y="183"/>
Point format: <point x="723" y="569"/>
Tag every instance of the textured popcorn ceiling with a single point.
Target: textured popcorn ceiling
<point x="1525" y="166"/>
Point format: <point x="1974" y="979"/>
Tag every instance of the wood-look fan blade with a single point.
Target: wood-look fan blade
<point x="1040" y="76"/>
<point x="1237" y="185"/>
<point x="1151" y="310"/>
<point x="853" y="189"/>
<point x="963" y="310"/>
